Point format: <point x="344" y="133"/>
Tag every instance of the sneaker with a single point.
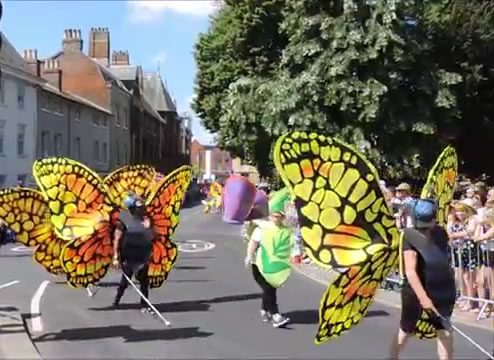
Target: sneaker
<point x="279" y="320"/>
<point x="265" y="316"/>
<point x="147" y="310"/>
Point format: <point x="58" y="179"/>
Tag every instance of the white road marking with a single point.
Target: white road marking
<point x="9" y="284"/>
<point x="22" y="248"/>
<point x="36" y="322"/>
<point x="195" y="246"/>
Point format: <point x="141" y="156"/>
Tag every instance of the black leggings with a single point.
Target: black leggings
<point x="141" y="275"/>
<point x="268" y="292"/>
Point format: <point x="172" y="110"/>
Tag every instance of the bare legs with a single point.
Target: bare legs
<point x="444" y="344"/>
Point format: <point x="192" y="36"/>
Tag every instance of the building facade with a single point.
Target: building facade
<point x="18" y="117"/>
<point x="210" y="162"/>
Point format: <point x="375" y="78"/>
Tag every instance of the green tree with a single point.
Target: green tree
<point x="375" y="74"/>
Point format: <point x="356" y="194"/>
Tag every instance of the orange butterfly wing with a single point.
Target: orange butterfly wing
<point x="164" y="208"/>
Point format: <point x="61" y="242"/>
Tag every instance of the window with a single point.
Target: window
<point x="58" y="144"/>
<point x="96" y="151"/>
<point x="44" y="102"/>
<point x="126" y="154"/>
<point x="21" y="92"/>
<point x="105" y="152"/>
<point x="57" y="106"/>
<point x="2" y="91"/>
<point x="78" y="148"/>
<point x="118" y="153"/>
<point x="77" y="113"/>
<point x="116" y="112"/>
<point x="105" y="121"/>
<point x="21" y="138"/>
<point x="2" y="133"/>
<point x="95" y="120"/>
<point x="21" y="179"/>
<point x="45" y="144"/>
<point x="2" y="180"/>
<point x="125" y="119"/>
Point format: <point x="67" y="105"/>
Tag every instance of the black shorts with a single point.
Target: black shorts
<point x="411" y="311"/>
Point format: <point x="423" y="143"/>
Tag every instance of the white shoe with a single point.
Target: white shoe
<point x="279" y="320"/>
<point x="93" y="292"/>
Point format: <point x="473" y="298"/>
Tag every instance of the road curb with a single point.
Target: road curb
<point x="15" y="342"/>
<point x="385" y="297"/>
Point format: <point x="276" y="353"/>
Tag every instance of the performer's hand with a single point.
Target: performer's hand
<point x="247" y="261"/>
<point x="116" y="263"/>
<point x="427" y="304"/>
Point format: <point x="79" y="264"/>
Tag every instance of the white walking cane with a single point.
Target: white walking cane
<point x="167" y="323"/>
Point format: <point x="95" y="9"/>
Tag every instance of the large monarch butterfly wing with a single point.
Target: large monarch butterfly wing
<point x="75" y="195"/>
<point x="132" y="178"/>
<point x="164" y="209"/>
<point x="25" y="212"/>
<point x="441" y="183"/>
<point x="345" y="223"/>
<point x="86" y="259"/>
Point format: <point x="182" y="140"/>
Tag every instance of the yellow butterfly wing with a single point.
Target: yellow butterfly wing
<point x="75" y="196"/>
<point x="27" y="215"/>
<point x="345" y="223"/>
<point x="136" y="178"/>
<point x="441" y="183"/>
<point x="164" y="209"/>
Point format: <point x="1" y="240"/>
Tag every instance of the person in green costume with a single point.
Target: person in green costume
<point x="268" y="253"/>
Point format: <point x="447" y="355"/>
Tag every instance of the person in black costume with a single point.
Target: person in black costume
<point x="133" y="246"/>
<point x="430" y="283"/>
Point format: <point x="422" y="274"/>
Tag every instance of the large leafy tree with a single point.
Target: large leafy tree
<point x="396" y="78"/>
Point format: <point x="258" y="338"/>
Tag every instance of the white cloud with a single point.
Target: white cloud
<point x="146" y="11"/>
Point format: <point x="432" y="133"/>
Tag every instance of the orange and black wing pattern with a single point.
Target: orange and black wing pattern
<point x="344" y="221"/>
<point x="132" y="178"/>
<point x="164" y="209"/>
<point x="87" y="259"/>
<point x="76" y="196"/>
<point x="25" y="212"/>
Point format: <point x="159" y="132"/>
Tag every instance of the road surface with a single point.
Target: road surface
<point x="212" y="302"/>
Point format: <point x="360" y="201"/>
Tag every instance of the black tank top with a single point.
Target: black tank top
<point x="137" y="239"/>
<point x="433" y="266"/>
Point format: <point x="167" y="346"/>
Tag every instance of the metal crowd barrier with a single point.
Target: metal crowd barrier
<point x="474" y="257"/>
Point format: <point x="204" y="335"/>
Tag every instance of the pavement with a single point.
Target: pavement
<point x="211" y="300"/>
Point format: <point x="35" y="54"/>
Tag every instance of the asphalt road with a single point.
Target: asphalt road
<point x="213" y="304"/>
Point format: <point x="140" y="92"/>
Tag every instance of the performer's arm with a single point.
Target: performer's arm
<point x="117" y="236"/>
<point x="414" y="280"/>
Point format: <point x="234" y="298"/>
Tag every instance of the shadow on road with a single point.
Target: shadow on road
<point x="126" y="332"/>
<point x="312" y="316"/>
<point x="184" y="306"/>
<point x="189" y="267"/>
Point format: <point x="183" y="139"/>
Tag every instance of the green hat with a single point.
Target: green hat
<point x="278" y="201"/>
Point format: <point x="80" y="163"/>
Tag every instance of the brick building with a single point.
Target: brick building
<point x="210" y="162"/>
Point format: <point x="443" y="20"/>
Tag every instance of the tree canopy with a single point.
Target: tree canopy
<point x="397" y="79"/>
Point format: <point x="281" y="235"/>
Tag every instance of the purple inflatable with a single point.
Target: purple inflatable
<point x="238" y="199"/>
<point x="261" y="206"/>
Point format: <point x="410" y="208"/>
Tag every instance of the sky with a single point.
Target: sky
<point x="158" y="31"/>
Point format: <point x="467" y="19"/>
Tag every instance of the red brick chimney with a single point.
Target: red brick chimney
<point x="120" y="58"/>
<point x="72" y="41"/>
<point x="52" y="73"/>
<point x="99" y="45"/>
<point x="31" y="59"/>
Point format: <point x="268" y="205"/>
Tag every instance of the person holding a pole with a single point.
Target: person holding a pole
<point x="133" y="247"/>
<point x="429" y="283"/>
